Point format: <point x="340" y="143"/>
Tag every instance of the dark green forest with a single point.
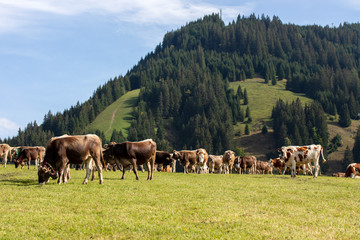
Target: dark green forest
<point x="185" y="101"/>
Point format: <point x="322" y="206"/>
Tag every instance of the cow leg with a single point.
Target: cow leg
<point x="88" y="166"/>
<point x="293" y="169"/>
<point x="123" y="170"/>
<point x="317" y="167"/>
<point x="5" y="159"/>
<point x="135" y="168"/>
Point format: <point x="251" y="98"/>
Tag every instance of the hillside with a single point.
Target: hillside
<point x="116" y="116"/>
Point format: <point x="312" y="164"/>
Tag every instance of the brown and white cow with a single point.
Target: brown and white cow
<point x="133" y="154"/>
<point x="187" y="159"/>
<point x="201" y="160"/>
<point x="352" y="170"/>
<point x="228" y="161"/>
<point x="263" y="167"/>
<point x="27" y="154"/>
<point x="277" y="164"/>
<point x="338" y="174"/>
<point x="242" y="164"/>
<point x="215" y="163"/>
<point x="5" y="152"/>
<point x="294" y="155"/>
<point x="64" y="150"/>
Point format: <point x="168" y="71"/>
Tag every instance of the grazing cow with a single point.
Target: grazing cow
<point x="201" y="159"/>
<point x="64" y="150"/>
<point x="352" y="170"/>
<point x="294" y="155"/>
<point x="186" y="158"/>
<point x="263" y="167"/>
<point x="277" y="164"/>
<point x="215" y="163"/>
<point x="30" y="153"/>
<point x="5" y="152"/>
<point x="245" y="163"/>
<point x="228" y="161"/>
<point x="133" y="154"/>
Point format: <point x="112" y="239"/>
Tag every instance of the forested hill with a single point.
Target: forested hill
<point x="185" y="100"/>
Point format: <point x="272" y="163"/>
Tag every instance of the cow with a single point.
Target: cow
<point x="215" y="163"/>
<point x="338" y="174"/>
<point x="30" y="153"/>
<point x="263" y="167"/>
<point x="5" y="152"/>
<point x="294" y="155"/>
<point x="201" y="160"/>
<point x="245" y="163"/>
<point x="228" y="161"/>
<point x="352" y="170"/>
<point x="133" y="154"/>
<point x="66" y="149"/>
<point x="163" y="158"/>
<point x="277" y="164"/>
<point x="187" y="159"/>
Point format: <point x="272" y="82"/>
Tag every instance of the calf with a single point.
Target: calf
<point x="263" y="167"/>
<point x="277" y="164"/>
<point x="215" y="163"/>
<point x="186" y="158"/>
<point x="247" y="163"/>
<point x="35" y="154"/>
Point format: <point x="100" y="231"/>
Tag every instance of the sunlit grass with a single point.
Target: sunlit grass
<point x="178" y="206"/>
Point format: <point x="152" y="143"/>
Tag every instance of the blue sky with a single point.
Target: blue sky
<point x="54" y="53"/>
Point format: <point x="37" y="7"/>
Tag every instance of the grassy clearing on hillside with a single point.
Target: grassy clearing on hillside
<point x="117" y="116"/>
<point x="178" y="206"/>
<point x="262" y="97"/>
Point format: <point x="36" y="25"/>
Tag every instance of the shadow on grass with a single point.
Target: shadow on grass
<point x="19" y="182"/>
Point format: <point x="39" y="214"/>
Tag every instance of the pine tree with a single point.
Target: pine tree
<point x="356" y="148"/>
<point x="247" y="129"/>
<point x="344" y="118"/>
<point x="246" y="99"/>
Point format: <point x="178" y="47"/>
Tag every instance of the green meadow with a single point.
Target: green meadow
<point x="178" y="206"/>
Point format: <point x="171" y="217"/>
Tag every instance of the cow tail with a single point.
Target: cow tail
<point x="322" y="154"/>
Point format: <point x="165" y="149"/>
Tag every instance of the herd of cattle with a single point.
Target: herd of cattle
<point x="86" y="150"/>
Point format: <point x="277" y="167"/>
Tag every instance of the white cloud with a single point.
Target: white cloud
<point x="8" y="128"/>
<point x="15" y="15"/>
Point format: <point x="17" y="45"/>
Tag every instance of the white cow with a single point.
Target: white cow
<point x="294" y="155"/>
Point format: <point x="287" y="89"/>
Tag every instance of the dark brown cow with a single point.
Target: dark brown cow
<point x="352" y="170"/>
<point x="64" y="150"/>
<point x="133" y="153"/>
<point x="5" y="152"/>
<point x="247" y="162"/>
<point x="186" y="158"/>
<point x="277" y="164"/>
<point x="163" y="158"/>
<point x="228" y="161"/>
<point x="30" y="154"/>
<point x="215" y="163"/>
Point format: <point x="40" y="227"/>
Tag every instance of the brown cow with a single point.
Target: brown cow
<point x="163" y="159"/>
<point x="186" y="158"/>
<point x="30" y="153"/>
<point x="263" y="167"/>
<point x="5" y="152"/>
<point x="201" y="159"/>
<point x="215" y="163"/>
<point x="228" y="161"/>
<point x="277" y="164"/>
<point x="247" y="162"/>
<point x="352" y="170"/>
<point x="64" y="150"/>
<point x="133" y="153"/>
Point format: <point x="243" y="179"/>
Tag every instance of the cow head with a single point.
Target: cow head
<point x="176" y="155"/>
<point x="45" y="172"/>
<point x="18" y="162"/>
<point x="229" y="156"/>
<point x="200" y="153"/>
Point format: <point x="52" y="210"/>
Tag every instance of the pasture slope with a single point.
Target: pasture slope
<point x="178" y="206"/>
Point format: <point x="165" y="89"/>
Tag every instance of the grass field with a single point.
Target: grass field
<point x="117" y="116"/>
<point x="178" y="206"/>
